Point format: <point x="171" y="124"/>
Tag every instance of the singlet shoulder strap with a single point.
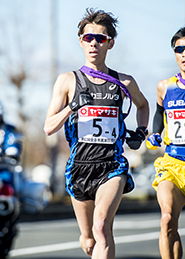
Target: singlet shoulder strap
<point x="113" y="73"/>
<point x="81" y="78"/>
<point x="172" y="80"/>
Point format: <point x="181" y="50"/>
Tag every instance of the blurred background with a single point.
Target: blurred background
<point x="38" y="41"/>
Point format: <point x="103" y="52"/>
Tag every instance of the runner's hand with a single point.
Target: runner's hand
<point x="154" y="141"/>
<point x="135" y="139"/>
<point x="81" y="99"/>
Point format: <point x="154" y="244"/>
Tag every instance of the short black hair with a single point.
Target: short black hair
<point x="178" y="35"/>
<point x="99" y="17"/>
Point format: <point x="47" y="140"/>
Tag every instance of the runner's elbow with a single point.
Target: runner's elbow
<point x="48" y="131"/>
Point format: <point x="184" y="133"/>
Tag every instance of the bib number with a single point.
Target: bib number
<point x="176" y="126"/>
<point x="98" y="124"/>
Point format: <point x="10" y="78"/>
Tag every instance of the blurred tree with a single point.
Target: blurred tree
<point x="25" y="62"/>
<point x="24" y="48"/>
<point x="28" y="57"/>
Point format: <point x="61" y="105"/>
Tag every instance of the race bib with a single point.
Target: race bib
<point x="176" y="126"/>
<point x="98" y="124"/>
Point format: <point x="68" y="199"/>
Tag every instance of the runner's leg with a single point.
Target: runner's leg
<point x="84" y="214"/>
<point x="107" y="200"/>
<point x="171" y="201"/>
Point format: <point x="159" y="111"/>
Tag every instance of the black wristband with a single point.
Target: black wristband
<point x="143" y="129"/>
<point x="83" y="98"/>
<point x="74" y="106"/>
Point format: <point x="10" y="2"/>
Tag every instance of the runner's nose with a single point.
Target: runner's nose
<point x="94" y="42"/>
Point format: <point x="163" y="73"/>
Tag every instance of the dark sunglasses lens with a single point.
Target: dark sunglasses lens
<point x="179" y="49"/>
<point x="87" y="37"/>
<point x="99" y="38"/>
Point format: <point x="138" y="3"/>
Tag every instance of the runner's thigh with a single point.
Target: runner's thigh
<point x="108" y="197"/>
<point x="170" y="198"/>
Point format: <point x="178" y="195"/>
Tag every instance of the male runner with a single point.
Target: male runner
<point x="89" y="102"/>
<point x="170" y="169"/>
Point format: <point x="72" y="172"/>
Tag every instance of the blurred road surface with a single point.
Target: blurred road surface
<point x="136" y="237"/>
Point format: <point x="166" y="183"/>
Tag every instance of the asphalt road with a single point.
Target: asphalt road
<point x="136" y="237"/>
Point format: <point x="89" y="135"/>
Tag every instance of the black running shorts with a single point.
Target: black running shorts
<point x="83" y="179"/>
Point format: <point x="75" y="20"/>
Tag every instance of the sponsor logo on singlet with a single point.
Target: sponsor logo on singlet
<point x="175" y="103"/>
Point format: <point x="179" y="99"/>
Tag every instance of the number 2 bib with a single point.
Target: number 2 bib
<point x="176" y="125"/>
<point x="98" y="124"/>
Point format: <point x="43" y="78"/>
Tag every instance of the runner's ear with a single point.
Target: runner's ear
<point x="111" y="44"/>
<point x="81" y="41"/>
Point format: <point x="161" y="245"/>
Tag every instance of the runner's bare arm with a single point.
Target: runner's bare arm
<point x="138" y="99"/>
<point x="58" y="110"/>
<point x="161" y="91"/>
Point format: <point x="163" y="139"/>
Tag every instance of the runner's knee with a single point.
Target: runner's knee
<point x="101" y="231"/>
<point x="168" y="223"/>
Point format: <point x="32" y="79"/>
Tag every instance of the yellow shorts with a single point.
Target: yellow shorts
<point x="169" y="169"/>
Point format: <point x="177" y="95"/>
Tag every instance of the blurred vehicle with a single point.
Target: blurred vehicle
<point x="10" y="151"/>
<point x="16" y="192"/>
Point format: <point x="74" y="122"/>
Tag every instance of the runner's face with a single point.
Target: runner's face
<point x="180" y="57"/>
<point x="95" y="52"/>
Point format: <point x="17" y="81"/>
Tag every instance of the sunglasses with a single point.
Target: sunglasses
<point x="100" y="38"/>
<point x="179" y="49"/>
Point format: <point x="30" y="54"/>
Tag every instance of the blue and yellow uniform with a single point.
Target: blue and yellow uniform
<point x="95" y="135"/>
<point x="171" y="167"/>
